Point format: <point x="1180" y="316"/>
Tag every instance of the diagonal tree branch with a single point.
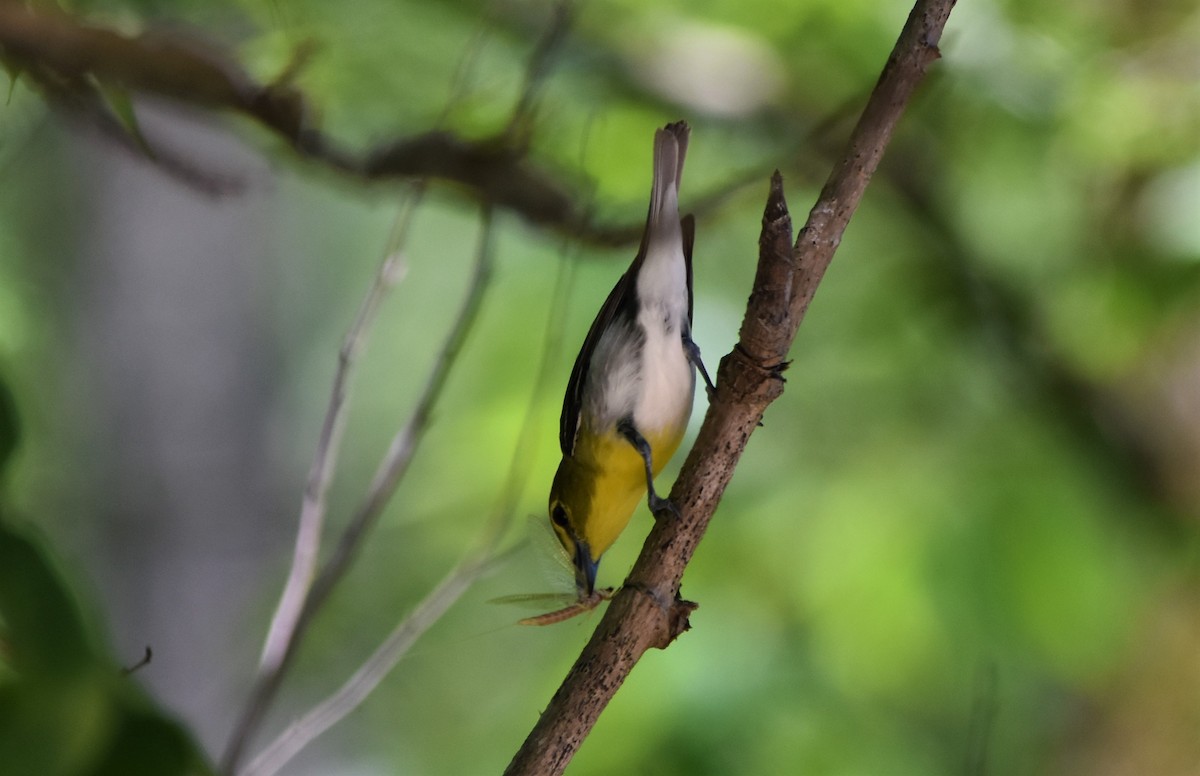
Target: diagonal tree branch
<point x="647" y="612"/>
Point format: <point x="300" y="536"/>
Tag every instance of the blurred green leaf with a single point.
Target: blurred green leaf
<point x="65" y="708"/>
<point x="46" y="635"/>
<point x="10" y="429"/>
<point x="120" y="101"/>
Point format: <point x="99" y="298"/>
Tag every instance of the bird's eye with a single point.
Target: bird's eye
<point x="558" y="516"/>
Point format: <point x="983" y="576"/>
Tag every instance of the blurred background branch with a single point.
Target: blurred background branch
<point x="391" y="471"/>
<point x="304" y="594"/>
<point x="71" y="62"/>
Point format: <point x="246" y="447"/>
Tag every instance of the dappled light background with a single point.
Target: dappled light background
<point x="964" y="541"/>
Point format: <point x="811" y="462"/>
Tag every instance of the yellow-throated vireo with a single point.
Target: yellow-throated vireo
<point x="630" y="393"/>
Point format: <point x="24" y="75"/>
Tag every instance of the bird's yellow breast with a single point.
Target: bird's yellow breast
<point x="617" y="477"/>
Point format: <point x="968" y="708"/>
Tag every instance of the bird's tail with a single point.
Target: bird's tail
<point x="670" y="148"/>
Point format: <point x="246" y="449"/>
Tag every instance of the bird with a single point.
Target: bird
<point x="630" y="393"/>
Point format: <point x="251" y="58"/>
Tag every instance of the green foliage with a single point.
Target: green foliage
<point x="65" y="708"/>
<point x="10" y="427"/>
<point x="966" y="533"/>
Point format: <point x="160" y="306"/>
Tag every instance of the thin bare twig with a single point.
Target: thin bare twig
<point x="474" y="564"/>
<point x="312" y="513"/>
<point x="333" y="709"/>
<point x="648" y="612"/>
<point x="320" y="474"/>
<point x="302" y="600"/>
<point x="147" y="656"/>
<point x="388" y="475"/>
<point x="404" y="444"/>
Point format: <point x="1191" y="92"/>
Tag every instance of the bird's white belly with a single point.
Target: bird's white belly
<point x="665" y="398"/>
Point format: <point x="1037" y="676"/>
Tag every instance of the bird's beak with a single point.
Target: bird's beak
<point x="585" y="569"/>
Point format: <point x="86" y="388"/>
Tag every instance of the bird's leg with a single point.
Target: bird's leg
<point x="693" y="354"/>
<point x="659" y="506"/>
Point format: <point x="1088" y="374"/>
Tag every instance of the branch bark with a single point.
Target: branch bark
<point x="648" y="612"/>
